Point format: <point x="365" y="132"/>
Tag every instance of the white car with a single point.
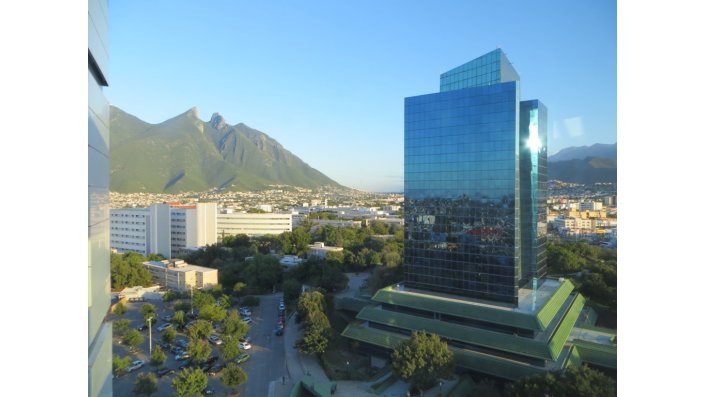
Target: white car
<point x="214" y="339"/>
<point x="137" y="364"/>
<point x="245" y="346"/>
<point x="247" y="320"/>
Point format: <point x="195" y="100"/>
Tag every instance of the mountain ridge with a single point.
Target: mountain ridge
<point x="185" y="153"/>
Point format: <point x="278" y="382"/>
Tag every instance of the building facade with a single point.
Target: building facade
<point x="475" y="235"/>
<point x="253" y="224"/>
<point x="319" y="250"/>
<point x="176" y="274"/>
<point x="166" y="229"/>
<point x="99" y="330"/>
<point x="475" y="179"/>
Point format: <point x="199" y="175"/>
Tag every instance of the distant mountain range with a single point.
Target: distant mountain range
<point x="584" y="164"/>
<point x="187" y="154"/>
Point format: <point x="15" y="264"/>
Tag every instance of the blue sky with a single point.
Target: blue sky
<point x="328" y="79"/>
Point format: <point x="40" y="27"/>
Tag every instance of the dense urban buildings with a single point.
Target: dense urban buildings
<point x="99" y="331"/>
<point x="475" y="234"/>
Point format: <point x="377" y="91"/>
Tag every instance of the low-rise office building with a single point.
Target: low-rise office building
<point x="178" y="275"/>
<point x="253" y="224"/>
<point x="319" y="249"/>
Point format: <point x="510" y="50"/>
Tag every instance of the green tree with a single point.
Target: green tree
<point x="180" y="305"/>
<point x="262" y="273"/>
<point x="190" y="382"/>
<point x="132" y="338"/>
<point x="224" y="301"/>
<point x="422" y="360"/>
<point x="312" y="301"/>
<point x="230" y="348"/>
<point x="234" y="327"/>
<point x="574" y="382"/>
<point x="239" y="288"/>
<point x="212" y="312"/>
<point x="120" y="363"/>
<point x="146" y="384"/>
<point x="179" y="318"/>
<point x="158" y="356"/>
<point x="391" y="258"/>
<point x="317" y="334"/>
<point x="148" y="310"/>
<point x="126" y="270"/>
<point x="199" y="350"/>
<point x="291" y="289"/>
<point x="201" y="299"/>
<point x="234" y="376"/>
<point x="120" y="309"/>
<point x="201" y="329"/>
<point x="168" y="335"/>
<point x="120" y="326"/>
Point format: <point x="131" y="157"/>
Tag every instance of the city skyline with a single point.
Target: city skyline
<point x="309" y="77"/>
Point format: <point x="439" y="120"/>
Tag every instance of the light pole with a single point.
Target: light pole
<point x="440" y="385"/>
<point x="149" y="324"/>
<point x="191" y="300"/>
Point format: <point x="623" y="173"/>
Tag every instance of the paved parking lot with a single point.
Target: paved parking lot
<point x="265" y="367"/>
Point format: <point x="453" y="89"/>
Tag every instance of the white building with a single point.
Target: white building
<point x="178" y="275"/>
<point x="320" y="250"/>
<point x="253" y="224"/>
<point x="166" y="229"/>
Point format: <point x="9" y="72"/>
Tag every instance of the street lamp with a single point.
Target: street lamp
<point x="191" y="300"/>
<point x="440" y="385"/>
<point x="149" y="323"/>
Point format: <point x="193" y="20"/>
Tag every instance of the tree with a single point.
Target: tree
<point x="126" y="270"/>
<point x="310" y="302"/>
<point x="158" y="356"/>
<point x="234" y="376"/>
<point x="234" y="327"/>
<point x="574" y="382"/>
<point x="230" y="348"/>
<point x="212" y="312"/>
<point x="201" y="299"/>
<point x="262" y="273"/>
<point x="148" y="310"/>
<point x="168" y="335"/>
<point x="200" y="329"/>
<point x="120" y="326"/>
<point x="239" y="288"/>
<point x="132" y="338"/>
<point x="190" y="382"/>
<point x="317" y="335"/>
<point x="422" y="360"/>
<point x="120" y="309"/>
<point x="179" y="318"/>
<point x="120" y="363"/>
<point x="291" y="289"/>
<point x="199" y="350"/>
<point x="146" y="384"/>
<point x="224" y="301"/>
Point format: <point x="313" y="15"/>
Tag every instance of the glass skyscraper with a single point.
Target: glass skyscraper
<point x="474" y="183"/>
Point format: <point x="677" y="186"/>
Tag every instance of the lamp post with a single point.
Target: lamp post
<point x="191" y="300"/>
<point x="440" y="386"/>
<point x="149" y="324"/>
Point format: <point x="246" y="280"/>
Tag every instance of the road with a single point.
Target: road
<point x="267" y="364"/>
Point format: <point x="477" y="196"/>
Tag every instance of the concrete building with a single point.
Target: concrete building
<point x="169" y="229"/>
<point x="253" y="224"/>
<point x="475" y="235"/>
<point x="176" y="274"/>
<point x="319" y="249"/>
<point x="590" y="206"/>
<point x="100" y="334"/>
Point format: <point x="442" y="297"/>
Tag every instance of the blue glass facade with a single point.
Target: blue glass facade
<point x="470" y="209"/>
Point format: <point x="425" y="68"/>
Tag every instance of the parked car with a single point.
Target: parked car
<point x="184" y="365"/>
<point x="247" y="320"/>
<point x="245" y="346"/>
<point x="282" y="307"/>
<point x="246" y="338"/>
<point x="214" y="339"/>
<point x="137" y="364"/>
<point x="280" y="332"/>
<point x="242" y="358"/>
<point x="216" y="368"/>
<point x="163" y="327"/>
<point x="182" y="356"/>
<point x="142" y="327"/>
<point x="165" y="371"/>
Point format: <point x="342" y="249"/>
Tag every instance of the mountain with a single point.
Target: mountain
<point x="587" y="171"/>
<point x="608" y="151"/>
<point x="185" y="153"/>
